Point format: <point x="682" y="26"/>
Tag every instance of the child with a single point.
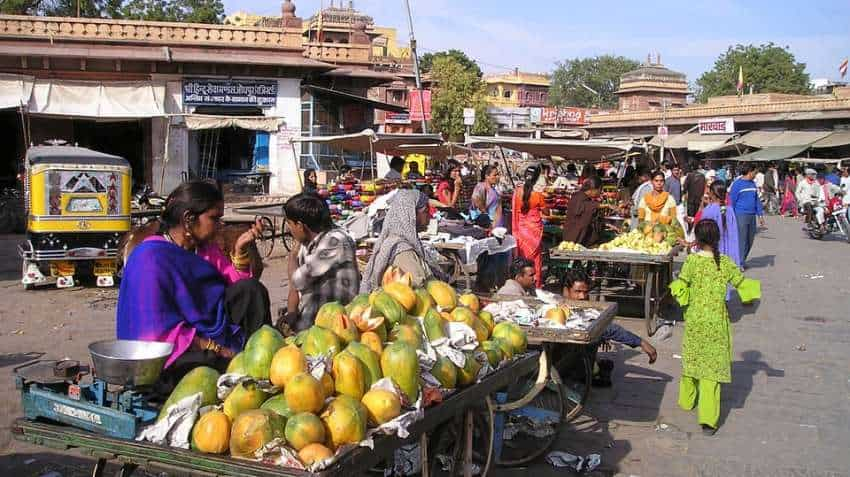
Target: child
<point x="707" y="343"/>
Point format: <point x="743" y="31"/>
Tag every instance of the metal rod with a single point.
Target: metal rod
<point x="507" y="169"/>
<point x="416" y="67"/>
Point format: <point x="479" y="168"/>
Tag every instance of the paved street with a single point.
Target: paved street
<point x="787" y="412"/>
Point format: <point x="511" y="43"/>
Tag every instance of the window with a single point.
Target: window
<point x="398" y="96"/>
<point x="494" y="92"/>
<point x="507" y="94"/>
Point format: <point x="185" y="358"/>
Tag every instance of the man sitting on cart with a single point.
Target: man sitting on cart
<point x="522" y="283"/>
<point x="576" y="286"/>
<point x="323" y="265"/>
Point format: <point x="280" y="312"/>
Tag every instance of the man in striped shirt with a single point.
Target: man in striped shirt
<point x="744" y="197"/>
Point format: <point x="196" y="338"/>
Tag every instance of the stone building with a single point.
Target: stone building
<point x="517" y="90"/>
<point x="650" y="86"/>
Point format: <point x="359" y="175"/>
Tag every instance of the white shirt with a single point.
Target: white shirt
<point x="845" y="185"/>
<point x="759" y="180"/>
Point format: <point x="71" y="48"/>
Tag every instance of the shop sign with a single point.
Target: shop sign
<point x="419" y="101"/>
<point x="717" y="126"/>
<point x="396" y="118"/>
<point x="469" y="116"/>
<point x="663" y="132"/>
<point x="219" y="92"/>
<point x="535" y="115"/>
<point x="571" y="116"/>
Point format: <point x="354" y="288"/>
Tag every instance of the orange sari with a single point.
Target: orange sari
<point x="527" y="228"/>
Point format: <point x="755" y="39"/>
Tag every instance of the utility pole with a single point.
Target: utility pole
<point x="663" y="122"/>
<point x="416" y="67"/>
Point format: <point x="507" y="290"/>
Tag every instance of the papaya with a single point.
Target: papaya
<point x="267" y="337"/>
<point x="328" y="313"/>
<point x="286" y="363"/>
<point x="202" y="380"/>
<point x="446" y="372"/>
<point x="312" y="453"/>
<point x="407" y="334"/>
<point x="513" y="334"/>
<point x="345" y="329"/>
<point x="493" y="352"/>
<point x="464" y="315"/>
<point x="373" y="341"/>
<point x="395" y="275"/>
<point x="350" y="375"/>
<point x="345" y="421"/>
<point x="258" y="361"/>
<point x="443" y="294"/>
<point x="481" y="331"/>
<point x="424" y="302"/>
<point x="211" y="433"/>
<point x="400" y="363"/>
<point x="386" y="306"/>
<point x="487" y="318"/>
<point x="361" y="316"/>
<point x="434" y="325"/>
<point x="237" y="365"/>
<point x="555" y="315"/>
<point x="468" y="374"/>
<point x="328" y="384"/>
<point x="304" y="429"/>
<point x="244" y="397"/>
<point x="359" y="300"/>
<point x="277" y="403"/>
<point x="403" y="294"/>
<point x="253" y="429"/>
<point x="505" y="347"/>
<point x="382" y="405"/>
<point x="470" y="301"/>
<point x="370" y="359"/>
<point x="304" y="393"/>
<point x="318" y="341"/>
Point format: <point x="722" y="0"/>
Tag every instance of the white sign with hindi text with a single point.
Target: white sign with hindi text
<point x="717" y="126"/>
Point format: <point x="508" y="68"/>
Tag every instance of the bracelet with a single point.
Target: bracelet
<point x="242" y="261"/>
<point x="213" y="346"/>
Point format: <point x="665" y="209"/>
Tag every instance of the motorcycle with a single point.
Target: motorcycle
<point x="836" y="221"/>
<point x="146" y="199"/>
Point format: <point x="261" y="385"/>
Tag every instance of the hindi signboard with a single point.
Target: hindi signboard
<point x="663" y="132"/>
<point x="566" y="116"/>
<point x="469" y="116"/>
<point x="396" y="118"/>
<point x="717" y="126"/>
<point x="222" y="92"/>
<point x="418" y="103"/>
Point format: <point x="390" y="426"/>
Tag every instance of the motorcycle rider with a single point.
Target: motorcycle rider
<point x="827" y="193"/>
<point x="808" y="191"/>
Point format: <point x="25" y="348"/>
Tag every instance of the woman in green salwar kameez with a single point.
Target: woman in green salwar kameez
<point x="707" y="344"/>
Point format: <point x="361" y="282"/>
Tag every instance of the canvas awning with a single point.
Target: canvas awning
<point x="836" y="139"/>
<point x="773" y="153"/>
<point x="15" y="90"/>
<point x="814" y="160"/>
<point x="252" y="123"/>
<point x="568" y="149"/>
<point x="370" y="141"/>
<point x="434" y="151"/>
<point x="693" y="141"/>
<point x="353" y="98"/>
<point x="98" y="99"/>
<point x="763" y="139"/>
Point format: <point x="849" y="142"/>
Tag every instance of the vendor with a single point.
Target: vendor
<point x="582" y="222"/>
<point x="399" y="244"/>
<point x="522" y="283"/>
<point x="486" y="199"/>
<point x="449" y="188"/>
<point x="179" y="287"/>
<point x="323" y="265"/>
<point x="413" y="171"/>
<point x="345" y="174"/>
<point x="576" y="286"/>
<point x="396" y="166"/>
<point x="658" y="206"/>
<point x="311" y="184"/>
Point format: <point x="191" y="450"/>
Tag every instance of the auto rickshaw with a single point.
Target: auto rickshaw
<point x="78" y="208"/>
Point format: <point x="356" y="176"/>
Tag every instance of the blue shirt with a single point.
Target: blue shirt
<point x="833" y="178"/>
<point x="744" y="196"/>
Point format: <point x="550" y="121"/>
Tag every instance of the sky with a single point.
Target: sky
<point x="534" y="35"/>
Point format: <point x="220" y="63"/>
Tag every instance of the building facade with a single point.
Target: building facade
<point x="517" y="90"/>
<point x="652" y="87"/>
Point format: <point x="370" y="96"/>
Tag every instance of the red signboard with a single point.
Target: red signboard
<point x="417" y="104"/>
<point x="572" y="116"/>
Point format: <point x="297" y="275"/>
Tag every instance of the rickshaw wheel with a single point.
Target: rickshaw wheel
<point x="265" y="245"/>
<point x="447" y="441"/>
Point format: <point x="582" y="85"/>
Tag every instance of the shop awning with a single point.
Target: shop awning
<point x="434" y="151"/>
<point x="814" y="160"/>
<point x="96" y="99"/>
<point x="773" y="153"/>
<point x="568" y="149"/>
<point x="253" y="123"/>
<point x="370" y="141"/>
<point x="692" y="141"/>
<point x="763" y="139"/>
<point x="15" y="90"/>
<point x="353" y="98"/>
<point x="836" y="139"/>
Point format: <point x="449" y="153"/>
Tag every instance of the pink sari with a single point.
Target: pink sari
<point x="528" y="230"/>
<point x="789" y="200"/>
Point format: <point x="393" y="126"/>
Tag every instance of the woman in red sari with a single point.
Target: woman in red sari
<point x="527" y="210"/>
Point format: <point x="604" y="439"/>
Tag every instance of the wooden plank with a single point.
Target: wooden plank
<point x="617" y="257"/>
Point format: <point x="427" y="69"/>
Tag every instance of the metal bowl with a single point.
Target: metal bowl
<point x="129" y="362"/>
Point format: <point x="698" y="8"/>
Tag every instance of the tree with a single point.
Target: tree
<point x="768" y="68"/>
<point x="427" y="61"/>
<point x="192" y="11"/>
<point x="19" y="7"/>
<point x="457" y="87"/>
<point x="574" y="79"/>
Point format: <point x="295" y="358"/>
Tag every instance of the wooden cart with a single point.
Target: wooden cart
<point x="357" y="461"/>
<point x="274" y="227"/>
<point x="614" y="271"/>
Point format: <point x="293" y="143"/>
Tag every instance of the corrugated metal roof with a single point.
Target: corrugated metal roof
<point x="693" y="141"/>
<point x="836" y="139"/>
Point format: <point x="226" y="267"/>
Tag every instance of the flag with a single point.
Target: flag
<point x="740" y="85"/>
<point x="842" y="68"/>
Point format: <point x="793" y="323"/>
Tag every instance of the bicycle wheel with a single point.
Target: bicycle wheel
<point x="844" y="225"/>
<point x="265" y="245"/>
<point x="447" y="444"/>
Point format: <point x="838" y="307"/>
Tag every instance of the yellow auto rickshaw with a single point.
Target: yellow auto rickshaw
<point x="78" y="208"/>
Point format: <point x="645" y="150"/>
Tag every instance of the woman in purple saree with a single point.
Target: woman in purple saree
<point x="179" y="287"/>
<point x="717" y="211"/>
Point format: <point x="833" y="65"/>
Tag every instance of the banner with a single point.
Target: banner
<point x="218" y="92"/>
<point x="717" y="126"/>
<point x="396" y="118"/>
<point x="416" y="104"/>
<point x="570" y="116"/>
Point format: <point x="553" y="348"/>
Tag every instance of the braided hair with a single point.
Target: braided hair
<point x="708" y="234"/>
<point x="718" y="189"/>
<point x="532" y="173"/>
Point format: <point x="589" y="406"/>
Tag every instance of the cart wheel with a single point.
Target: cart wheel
<point x="288" y="240"/>
<point x="265" y="245"/>
<point x="650" y="293"/>
<point x="446" y="444"/>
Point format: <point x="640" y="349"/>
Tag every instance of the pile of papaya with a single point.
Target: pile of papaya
<point x="374" y="337"/>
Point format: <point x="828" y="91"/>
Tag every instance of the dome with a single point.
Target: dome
<point x="288" y="8"/>
<point x="653" y="72"/>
